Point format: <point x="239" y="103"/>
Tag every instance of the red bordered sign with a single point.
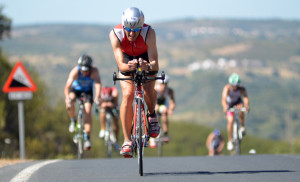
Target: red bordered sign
<point x="19" y="80"/>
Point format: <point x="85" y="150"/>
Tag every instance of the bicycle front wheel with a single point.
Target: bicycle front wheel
<point x="80" y="135"/>
<point x="108" y="134"/>
<point x="237" y="140"/>
<point x="140" y="139"/>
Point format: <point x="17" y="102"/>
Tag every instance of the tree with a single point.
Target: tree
<point x="5" y="25"/>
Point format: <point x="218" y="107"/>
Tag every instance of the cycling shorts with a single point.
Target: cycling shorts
<point x="231" y="105"/>
<point x="89" y="95"/>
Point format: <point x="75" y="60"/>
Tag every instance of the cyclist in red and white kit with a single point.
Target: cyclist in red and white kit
<point x="109" y="98"/>
<point x="134" y="43"/>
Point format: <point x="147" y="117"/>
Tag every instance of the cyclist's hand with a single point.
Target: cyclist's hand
<point x="144" y="65"/>
<point x="98" y="101"/>
<point x="132" y="65"/>
<point x="247" y="108"/>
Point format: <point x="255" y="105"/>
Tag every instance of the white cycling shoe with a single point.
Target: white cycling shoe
<point x="229" y="145"/>
<point x="101" y="133"/>
<point x="72" y="127"/>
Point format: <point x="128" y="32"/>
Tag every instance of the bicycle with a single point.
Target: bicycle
<point x="236" y="135"/>
<point x="79" y="136"/>
<point x="109" y="137"/>
<point x="139" y="132"/>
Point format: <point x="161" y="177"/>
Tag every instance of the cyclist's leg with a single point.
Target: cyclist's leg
<point x="102" y="121"/>
<point x="88" y="117"/>
<point x="116" y="123"/>
<point x="126" y="109"/>
<point x="230" y="120"/>
<point x="71" y="110"/>
<point x="150" y="96"/>
<point x="164" y="116"/>
<point x="150" y="99"/>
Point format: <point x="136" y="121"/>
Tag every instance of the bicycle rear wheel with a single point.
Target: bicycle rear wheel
<point x="140" y="139"/>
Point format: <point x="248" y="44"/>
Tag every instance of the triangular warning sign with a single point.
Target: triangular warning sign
<point x="19" y="80"/>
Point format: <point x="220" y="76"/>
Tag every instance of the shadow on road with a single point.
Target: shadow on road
<point x="212" y="173"/>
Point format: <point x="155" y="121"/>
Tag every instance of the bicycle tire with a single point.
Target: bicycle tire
<point x="237" y="148"/>
<point x="80" y="139"/>
<point x="108" y="133"/>
<point x="140" y="140"/>
<point x="80" y="134"/>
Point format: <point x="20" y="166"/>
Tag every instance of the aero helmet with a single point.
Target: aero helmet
<point x="234" y="79"/>
<point x="133" y="18"/>
<point x="85" y="62"/>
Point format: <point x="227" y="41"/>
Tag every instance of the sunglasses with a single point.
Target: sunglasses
<point x="132" y="30"/>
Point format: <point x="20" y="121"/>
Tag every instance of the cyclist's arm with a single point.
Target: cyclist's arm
<point x="72" y="76"/>
<point x="172" y="100"/>
<point x="245" y="98"/>
<point x="119" y="56"/>
<point x="208" y="140"/>
<point x="152" y="50"/>
<point x="224" y="96"/>
<point x="222" y="144"/>
<point x="97" y="84"/>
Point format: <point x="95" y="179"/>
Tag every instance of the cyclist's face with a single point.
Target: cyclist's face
<point x="234" y="87"/>
<point x="132" y="36"/>
<point x="85" y="73"/>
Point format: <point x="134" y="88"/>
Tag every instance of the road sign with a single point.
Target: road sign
<point x="19" y="80"/>
<point x="19" y="95"/>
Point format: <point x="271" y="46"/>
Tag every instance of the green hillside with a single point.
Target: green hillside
<point x="198" y="55"/>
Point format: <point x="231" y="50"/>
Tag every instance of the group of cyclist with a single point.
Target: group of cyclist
<point x="134" y="44"/>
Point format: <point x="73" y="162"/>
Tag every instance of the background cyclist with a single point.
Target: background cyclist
<point x="165" y="106"/>
<point x="134" y="42"/>
<point x="215" y="143"/>
<point x="109" y="97"/>
<point x="81" y="80"/>
<point x="234" y="95"/>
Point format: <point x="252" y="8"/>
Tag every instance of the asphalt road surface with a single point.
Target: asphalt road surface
<point x="258" y="168"/>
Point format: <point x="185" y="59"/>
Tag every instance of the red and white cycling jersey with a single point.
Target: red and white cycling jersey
<point x="107" y="93"/>
<point x="135" y="48"/>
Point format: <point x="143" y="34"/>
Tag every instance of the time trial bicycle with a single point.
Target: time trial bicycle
<point x="139" y="132"/>
<point x="237" y="136"/>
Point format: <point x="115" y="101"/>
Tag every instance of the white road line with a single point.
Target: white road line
<point x="26" y="173"/>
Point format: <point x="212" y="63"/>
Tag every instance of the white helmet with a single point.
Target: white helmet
<point x="133" y="18"/>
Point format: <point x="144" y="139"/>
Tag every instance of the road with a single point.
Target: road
<point x="273" y="168"/>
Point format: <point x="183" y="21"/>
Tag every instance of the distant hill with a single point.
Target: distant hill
<point x="198" y="55"/>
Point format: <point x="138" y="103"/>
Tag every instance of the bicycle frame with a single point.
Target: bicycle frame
<point x="236" y="136"/>
<point x="140" y="134"/>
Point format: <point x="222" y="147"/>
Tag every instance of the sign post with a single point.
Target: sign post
<point x="20" y="86"/>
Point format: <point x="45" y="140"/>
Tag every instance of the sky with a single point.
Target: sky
<point x="25" y="12"/>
